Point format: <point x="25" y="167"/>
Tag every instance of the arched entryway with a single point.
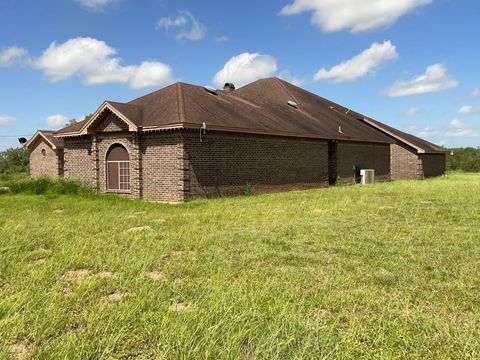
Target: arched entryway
<point x="118" y="168"/>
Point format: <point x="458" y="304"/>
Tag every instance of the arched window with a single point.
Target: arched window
<point x="118" y="168"/>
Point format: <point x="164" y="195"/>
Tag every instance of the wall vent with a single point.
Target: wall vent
<point x="367" y="176"/>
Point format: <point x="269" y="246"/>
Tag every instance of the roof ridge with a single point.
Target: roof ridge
<point x="180" y="102"/>
<point x="286" y="90"/>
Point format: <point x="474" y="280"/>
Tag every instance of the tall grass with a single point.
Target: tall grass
<point x="390" y="271"/>
<point x="44" y="185"/>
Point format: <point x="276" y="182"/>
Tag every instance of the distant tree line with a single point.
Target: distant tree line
<point x="464" y="159"/>
<point x="14" y="161"/>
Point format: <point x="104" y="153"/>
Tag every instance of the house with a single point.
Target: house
<point x="46" y="154"/>
<point x="186" y="141"/>
<point x="410" y="156"/>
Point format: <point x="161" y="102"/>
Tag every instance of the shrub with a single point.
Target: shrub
<point x="46" y="185"/>
<point x="250" y="189"/>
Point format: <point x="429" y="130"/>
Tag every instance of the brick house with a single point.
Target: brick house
<point x="410" y="156"/>
<point x="46" y="154"/>
<point x="186" y="141"/>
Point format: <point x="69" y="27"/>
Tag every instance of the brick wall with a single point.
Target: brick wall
<point x="48" y="163"/>
<point x="433" y="164"/>
<point x="224" y="163"/>
<point x="163" y="165"/>
<point x="362" y="156"/>
<point x="78" y="160"/>
<point x="405" y="163"/>
<point x="176" y="165"/>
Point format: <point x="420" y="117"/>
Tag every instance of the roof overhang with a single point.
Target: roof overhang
<point x="85" y="130"/>
<point x="35" y="137"/>
<point x="239" y="130"/>
<point x="395" y="136"/>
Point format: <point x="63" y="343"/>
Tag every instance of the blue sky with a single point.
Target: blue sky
<point x="409" y="63"/>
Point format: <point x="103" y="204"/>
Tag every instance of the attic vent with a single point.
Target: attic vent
<point x="292" y="104"/>
<point x="211" y="90"/>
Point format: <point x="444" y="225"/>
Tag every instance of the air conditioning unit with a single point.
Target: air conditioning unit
<point x="367" y="176"/>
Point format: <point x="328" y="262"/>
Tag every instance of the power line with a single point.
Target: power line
<point x="14" y="136"/>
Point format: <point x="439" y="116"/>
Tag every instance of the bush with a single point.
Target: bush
<point x="250" y="190"/>
<point x="46" y="186"/>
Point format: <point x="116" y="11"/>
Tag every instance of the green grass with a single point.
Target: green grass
<point x="390" y="271"/>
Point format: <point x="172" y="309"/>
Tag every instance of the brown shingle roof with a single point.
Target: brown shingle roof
<point x="48" y="135"/>
<point x="421" y="145"/>
<point x="260" y="107"/>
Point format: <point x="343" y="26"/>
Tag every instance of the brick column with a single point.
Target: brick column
<point x="136" y="176"/>
<point x="95" y="163"/>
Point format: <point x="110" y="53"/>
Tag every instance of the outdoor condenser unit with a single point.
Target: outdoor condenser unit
<point x="367" y="176"/>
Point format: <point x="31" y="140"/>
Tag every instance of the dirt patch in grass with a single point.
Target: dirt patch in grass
<point x="178" y="307"/>
<point x="105" y="274"/>
<point x="139" y="229"/>
<point x="20" y="351"/>
<point x="182" y="253"/>
<point x="76" y="276"/>
<point x="114" y="296"/>
<point x="158" y="220"/>
<point x="156" y="275"/>
<point x="40" y="261"/>
<point x="178" y="281"/>
<point x="67" y="291"/>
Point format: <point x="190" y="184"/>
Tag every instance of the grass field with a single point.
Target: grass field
<point x="390" y="271"/>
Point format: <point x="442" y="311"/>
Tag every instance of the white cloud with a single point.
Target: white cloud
<point x="287" y="76"/>
<point x="461" y="129"/>
<point x="476" y="93"/>
<point x="56" y="121"/>
<point x="360" y="65"/>
<point x="7" y="119"/>
<point x="245" y="68"/>
<point x="96" y="5"/>
<point x="97" y="63"/>
<point x="188" y="27"/>
<point x="221" y="39"/>
<point x="467" y="109"/>
<point x="150" y="74"/>
<point x="435" y="79"/>
<point x="355" y="15"/>
<point x="427" y="132"/>
<point x="11" y="55"/>
<point x="413" y="111"/>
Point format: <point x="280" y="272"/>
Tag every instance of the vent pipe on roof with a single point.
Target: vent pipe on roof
<point x="229" y="87"/>
<point x="292" y="104"/>
<point x="211" y="90"/>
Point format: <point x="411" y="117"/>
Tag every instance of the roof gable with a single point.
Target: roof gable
<point x="48" y="137"/>
<point x="130" y="114"/>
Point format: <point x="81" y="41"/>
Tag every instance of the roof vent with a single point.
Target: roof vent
<point x="292" y="104"/>
<point x="211" y="90"/>
<point x="228" y="87"/>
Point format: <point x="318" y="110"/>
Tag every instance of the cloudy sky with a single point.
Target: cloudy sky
<point x="413" y="64"/>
